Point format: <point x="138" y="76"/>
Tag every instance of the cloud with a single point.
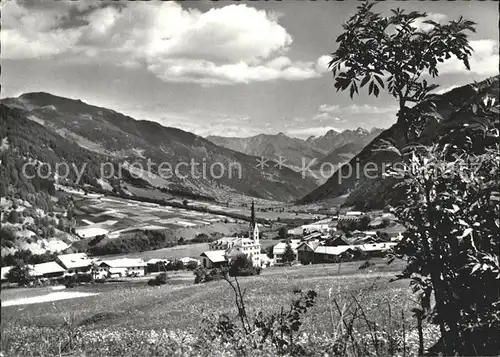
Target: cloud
<point x="483" y="61"/>
<point x="227" y="45"/>
<point x="356" y="109"/>
<point x="310" y="131"/>
<point x="322" y="63"/>
<point x="436" y="17"/>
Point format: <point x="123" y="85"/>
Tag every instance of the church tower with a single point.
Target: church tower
<point x="254" y="229"/>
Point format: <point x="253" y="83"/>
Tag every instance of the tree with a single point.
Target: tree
<point x="288" y="254"/>
<point x="19" y="273"/>
<point x="13" y="217"/>
<point x="283" y="233"/>
<point x="70" y="214"/>
<point x="242" y="265"/>
<point x="269" y="251"/>
<point x="451" y="211"/>
<point x="392" y="52"/>
<point x="160" y="279"/>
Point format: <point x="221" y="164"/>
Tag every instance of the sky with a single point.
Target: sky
<point x="214" y="68"/>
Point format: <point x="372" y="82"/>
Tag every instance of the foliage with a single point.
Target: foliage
<point x="160" y="279"/>
<point x="202" y="238"/>
<point x="146" y="240"/>
<point x="288" y="254"/>
<point x="204" y="275"/>
<point x="25" y="256"/>
<point x="192" y="265"/>
<point x="279" y="328"/>
<point x="14" y="217"/>
<point x="451" y="243"/>
<point x="97" y="239"/>
<point x="270" y="251"/>
<point x="175" y="264"/>
<point x="392" y="52"/>
<point x="8" y="235"/>
<point x="451" y="206"/>
<point x="241" y="265"/>
<point x="283" y="233"/>
<point x="19" y="274"/>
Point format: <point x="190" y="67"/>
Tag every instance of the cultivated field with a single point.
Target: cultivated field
<point x="117" y="216"/>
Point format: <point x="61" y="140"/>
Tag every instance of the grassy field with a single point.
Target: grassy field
<point x="126" y="311"/>
<point x="180" y="305"/>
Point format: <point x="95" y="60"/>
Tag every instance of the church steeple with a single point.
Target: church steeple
<point x="252" y="216"/>
<point x="254" y="229"/>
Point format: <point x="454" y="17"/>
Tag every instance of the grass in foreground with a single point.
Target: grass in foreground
<point x="121" y="320"/>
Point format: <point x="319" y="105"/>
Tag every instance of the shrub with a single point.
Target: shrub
<point x="192" y="265"/>
<point x="20" y="274"/>
<point x="160" y="279"/>
<point x="13" y="217"/>
<point x="175" y="264"/>
<point x="203" y="275"/>
<point x="243" y="266"/>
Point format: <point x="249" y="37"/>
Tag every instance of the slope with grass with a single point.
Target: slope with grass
<point x="102" y="134"/>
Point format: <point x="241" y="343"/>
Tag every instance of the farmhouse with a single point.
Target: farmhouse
<point x="279" y="249"/>
<point x="376" y="249"/>
<point x="119" y="268"/>
<point x="156" y="265"/>
<point x="213" y="258"/>
<point x="305" y="251"/>
<point x="76" y="263"/>
<point x="47" y="270"/>
<point x="334" y="242"/>
<point x="325" y="254"/>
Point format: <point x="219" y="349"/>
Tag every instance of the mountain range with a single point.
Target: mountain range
<point x="453" y="113"/>
<point x="45" y="128"/>
<point x="338" y="146"/>
<point x="41" y="126"/>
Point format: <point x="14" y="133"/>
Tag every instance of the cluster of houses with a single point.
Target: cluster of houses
<point x="318" y="249"/>
<point x="322" y="247"/>
<point x="318" y="243"/>
<point x="79" y="264"/>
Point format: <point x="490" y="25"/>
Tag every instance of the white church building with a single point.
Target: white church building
<point x="223" y="250"/>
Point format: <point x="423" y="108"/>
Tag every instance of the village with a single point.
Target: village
<point x="329" y="240"/>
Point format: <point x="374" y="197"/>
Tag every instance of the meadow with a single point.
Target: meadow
<point x="179" y="308"/>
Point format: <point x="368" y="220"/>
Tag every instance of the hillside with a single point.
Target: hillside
<point x="452" y="108"/>
<point x="190" y="163"/>
<point x="271" y="146"/>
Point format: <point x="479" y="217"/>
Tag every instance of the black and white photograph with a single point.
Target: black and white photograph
<point x="249" y="178"/>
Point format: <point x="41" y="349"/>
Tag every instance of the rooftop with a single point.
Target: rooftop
<point x="215" y="256"/>
<point x="75" y="260"/>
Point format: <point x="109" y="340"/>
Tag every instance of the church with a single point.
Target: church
<point x="223" y="250"/>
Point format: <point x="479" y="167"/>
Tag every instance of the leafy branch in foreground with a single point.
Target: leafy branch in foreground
<point x="451" y="211"/>
<point x="279" y="328"/>
<point x="395" y="53"/>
